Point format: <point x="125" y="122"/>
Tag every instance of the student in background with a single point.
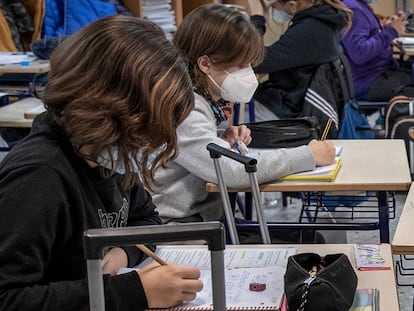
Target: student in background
<point x="312" y="39"/>
<point x="368" y="47"/>
<point x="221" y="46"/>
<point x="117" y="90"/>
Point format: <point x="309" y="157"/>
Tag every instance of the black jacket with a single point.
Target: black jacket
<point x="312" y="38"/>
<point x="48" y="197"/>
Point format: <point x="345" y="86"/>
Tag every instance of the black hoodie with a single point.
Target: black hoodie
<point x="312" y="38"/>
<point x="48" y="197"/>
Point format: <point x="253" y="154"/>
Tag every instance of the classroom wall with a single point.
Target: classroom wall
<point x="388" y="7"/>
<point x="385" y="7"/>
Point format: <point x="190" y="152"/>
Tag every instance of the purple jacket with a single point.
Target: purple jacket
<point x="367" y="46"/>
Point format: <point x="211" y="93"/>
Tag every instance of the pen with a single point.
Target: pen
<point x="241" y="147"/>
<point x="326" y="130"/>
<point x="151" y="254"/>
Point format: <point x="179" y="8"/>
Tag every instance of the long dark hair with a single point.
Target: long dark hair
<point x="119" y="83"/>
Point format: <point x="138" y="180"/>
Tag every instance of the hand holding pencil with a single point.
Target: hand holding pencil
<point x="323" y="152"/>
<point x="150" y="253"/>
<point x="168" y="285"/>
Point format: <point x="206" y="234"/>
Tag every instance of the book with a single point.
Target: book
<point x="320" y="173"/>
<point x="366" y="299"/>
<point x="242" y="267"/>
<point x="9" y="58"/>
<point x="406" y="42"/>
<point x="368" y="257"/>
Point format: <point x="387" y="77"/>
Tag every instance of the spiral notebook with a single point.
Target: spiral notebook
<point x="242" y="267"/>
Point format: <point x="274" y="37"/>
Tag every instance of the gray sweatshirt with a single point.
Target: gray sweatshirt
<point x="182" y="195"/>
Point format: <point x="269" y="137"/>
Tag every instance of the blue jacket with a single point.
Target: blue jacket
<point x="66" y="17"/>
<point x="368" y="46"/>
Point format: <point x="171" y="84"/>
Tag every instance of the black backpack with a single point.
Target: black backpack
<point x="399" y="120"/>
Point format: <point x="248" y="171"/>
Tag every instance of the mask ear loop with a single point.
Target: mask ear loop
<point x="214" y="82"/>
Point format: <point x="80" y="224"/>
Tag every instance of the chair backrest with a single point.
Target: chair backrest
<point x="330" y="88"/>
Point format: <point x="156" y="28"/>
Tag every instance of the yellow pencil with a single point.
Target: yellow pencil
<point x="326" y="130"/>
<point x="151" y="254"/>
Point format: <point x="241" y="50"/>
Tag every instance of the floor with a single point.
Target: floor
<point x="275" y="211"/>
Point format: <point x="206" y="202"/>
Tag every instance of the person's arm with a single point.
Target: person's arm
<point x="36" y="227"/>
<point x="199" y="129"/>
<point x="169" y="285"/>
<point x="361" y="43"/>
<point x="256" y="9"/>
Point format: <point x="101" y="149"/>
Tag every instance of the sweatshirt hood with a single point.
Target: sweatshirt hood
<point x="324" y="13"/>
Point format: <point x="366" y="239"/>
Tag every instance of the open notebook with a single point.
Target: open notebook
<point x="242" y="267"/>
<point x="320" y="173"/>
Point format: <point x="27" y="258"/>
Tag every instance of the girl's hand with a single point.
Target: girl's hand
<point x="323" y="152"/>
<point x="398" y="22"/>
<point x="234" y="133"/>
<point x="114" y="259"/>
<point x="169" y="285"/>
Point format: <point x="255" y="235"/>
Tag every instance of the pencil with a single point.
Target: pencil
<point x="151" y="254"/>
<point x="326" y="130"/>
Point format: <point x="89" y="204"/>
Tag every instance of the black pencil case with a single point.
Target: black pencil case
<point x="283" y="133"/>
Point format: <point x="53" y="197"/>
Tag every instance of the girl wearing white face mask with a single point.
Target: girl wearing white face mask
<point x="312" y="39"/>
<point x="238" y="85"/>
<point x="221" y="46"/>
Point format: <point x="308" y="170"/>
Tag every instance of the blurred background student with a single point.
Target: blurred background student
<point x="311" y="39"/>
<point x="376" y="72"/>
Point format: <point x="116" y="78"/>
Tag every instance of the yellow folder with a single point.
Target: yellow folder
<point x="320" y="173"/>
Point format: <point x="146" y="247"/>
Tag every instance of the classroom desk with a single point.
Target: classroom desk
<point x="384" y="280"/>
<point x="379" y="165"/>
<point x="13" y="115"/>
<point x="36" y="66"/>
<point x="403" y="241"/>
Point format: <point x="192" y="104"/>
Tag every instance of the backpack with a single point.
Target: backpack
<point x="399" y="120"/>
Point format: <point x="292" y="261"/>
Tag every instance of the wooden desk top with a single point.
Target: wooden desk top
<point x="367" y="165"/>
<point x="13" y="115"/>
<point x="403" y="241"/>
<point x="36" y="66"/>
<point x="384" y="280"/>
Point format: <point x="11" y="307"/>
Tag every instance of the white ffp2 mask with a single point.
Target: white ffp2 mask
<point x="239" y="86"/>
<point x="280" y="16"/>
